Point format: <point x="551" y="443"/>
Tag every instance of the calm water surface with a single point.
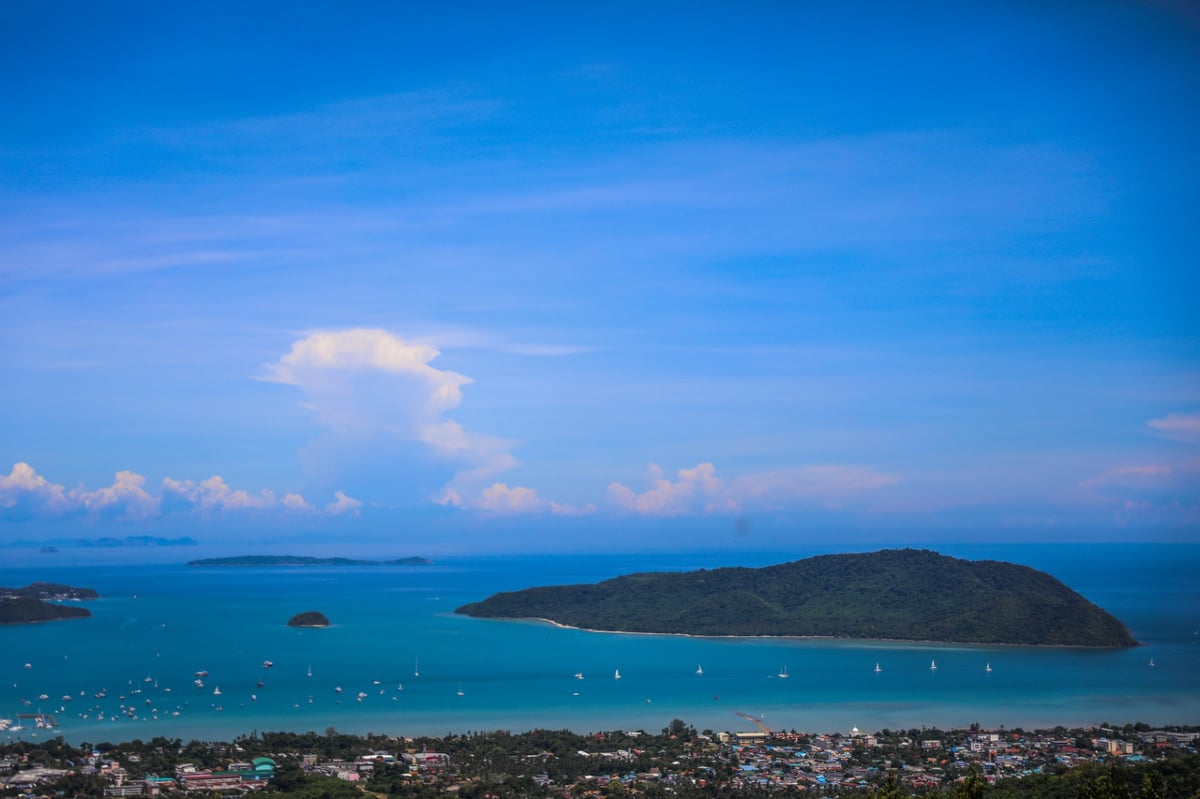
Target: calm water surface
<point x="406" y="664"/>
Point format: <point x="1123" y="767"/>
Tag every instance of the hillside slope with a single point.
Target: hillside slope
<point x="893" y="594"/>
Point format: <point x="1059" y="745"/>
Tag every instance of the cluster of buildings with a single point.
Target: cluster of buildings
<point x="236" y="777"/>
<point x="829" y="763"/>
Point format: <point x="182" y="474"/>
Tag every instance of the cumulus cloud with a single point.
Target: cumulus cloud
<point x="23" y="486"/>
<point x="700" y="490"/>
<point x="365" y="383"/>
<point x="1178" y="426"/>
<point x="294" y="501"/>
<point x="215" y="494"/>
<point x="126" y="496"/>
<point x="26" y="494"/>
<point x="499" y="498"/>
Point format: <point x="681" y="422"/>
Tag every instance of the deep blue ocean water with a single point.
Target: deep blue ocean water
<point x="159" y="623"/>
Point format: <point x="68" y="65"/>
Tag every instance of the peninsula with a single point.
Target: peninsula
<point x="299" y="560"/>
<point x="906" y="594"/>
<point x="30" y="604"/>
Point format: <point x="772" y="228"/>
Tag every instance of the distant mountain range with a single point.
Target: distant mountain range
<point x="907" y="594"/>
<point x="298" y="560"/>
<point x="50" y="545"/>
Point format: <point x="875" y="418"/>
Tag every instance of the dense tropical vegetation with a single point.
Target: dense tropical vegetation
<point x="894" y="594"/>
<point x="28" y="604"/>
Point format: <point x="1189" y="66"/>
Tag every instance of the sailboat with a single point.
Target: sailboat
<point x="617" y="674"/>
<point x="988" y="668"/>
<point x="310" y="670"/>
<point x="877" y="669"/>
<point x="783" y="675"/>
<point x="933" y="665"/>
<point x="217" y="691"/>
<point x="460" y="690"/>
<point x="699" y="669"/>
<point x="416" y="668"/>
<point x="1151" y="662"/>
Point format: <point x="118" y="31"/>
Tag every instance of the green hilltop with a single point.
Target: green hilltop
<point x="905" y="594"/>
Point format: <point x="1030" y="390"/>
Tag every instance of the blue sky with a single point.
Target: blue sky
<point x="653" y="275"/>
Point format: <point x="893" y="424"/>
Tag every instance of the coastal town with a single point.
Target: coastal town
<point x="678" y="760"/>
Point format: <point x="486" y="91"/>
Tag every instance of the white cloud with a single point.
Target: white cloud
<point x="215" y="494"/>
<point x="343" y="504"/>
<point x="24" y="486"/>
<point x="699" y="490"/>
<point x="26" y="494"/>
<point x="499" y="498"/>
<point x="126" y="496"/>
<point x="365" y="383"/>
<point x="296" y="502"/>
<point x="1178" y="426"/>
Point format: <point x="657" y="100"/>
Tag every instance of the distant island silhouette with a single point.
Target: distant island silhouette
<point x="298" y="560"/>
<point x="906" y="594"/>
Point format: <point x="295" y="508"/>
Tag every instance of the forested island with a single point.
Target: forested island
<point x="30" y="604"/>
<point x="906" y="594"/>
<point x="300" y="560"/>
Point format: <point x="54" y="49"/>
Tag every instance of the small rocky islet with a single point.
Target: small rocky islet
<point x="309" y="618"/>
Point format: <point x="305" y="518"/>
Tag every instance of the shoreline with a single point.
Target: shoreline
<point x="963" y="644"/>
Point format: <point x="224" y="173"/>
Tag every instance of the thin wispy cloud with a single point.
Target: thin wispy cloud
<point x="1178" y="427"/>
<point x="1153" y="492"/>
<point x="698" y="490"/>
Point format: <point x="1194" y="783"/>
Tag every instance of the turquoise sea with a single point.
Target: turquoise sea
<point x="407" y="665"/>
